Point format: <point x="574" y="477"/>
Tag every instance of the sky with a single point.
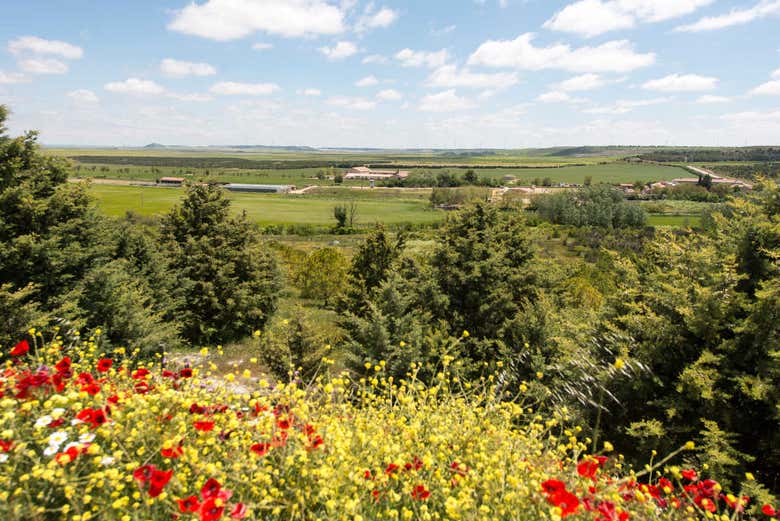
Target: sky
<point x="393" y="73"/>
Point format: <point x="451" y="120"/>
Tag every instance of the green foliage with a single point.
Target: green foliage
<point x="294" y="347"/>
<point x="226" y="283"/>
<point x="322" y="275"/>
<point x="370" y="267"/>
<point x="478" y="280"/>
<point x="599" y="205"/>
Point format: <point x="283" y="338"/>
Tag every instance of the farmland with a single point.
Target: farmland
<point x="271" y="209"/>
<point x="304" y="168"/>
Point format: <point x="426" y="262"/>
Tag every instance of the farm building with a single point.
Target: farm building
<point x="266" y="189"/>
<point x="170" y="181"/>
<point x="364" y="173"/>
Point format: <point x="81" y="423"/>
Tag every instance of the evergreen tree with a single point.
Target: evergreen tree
<point x="227" y="284"/>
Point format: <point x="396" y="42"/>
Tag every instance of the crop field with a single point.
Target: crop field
<point x="274" y="209"/>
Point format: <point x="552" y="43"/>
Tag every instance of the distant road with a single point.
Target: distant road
<point x="703" y="171"/>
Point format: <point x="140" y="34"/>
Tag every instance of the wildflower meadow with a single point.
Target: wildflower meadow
<point x="88" y="434"/>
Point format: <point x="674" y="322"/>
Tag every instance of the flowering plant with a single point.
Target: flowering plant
<point x="87" y="434"/>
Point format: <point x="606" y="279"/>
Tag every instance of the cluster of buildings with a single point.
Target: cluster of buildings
<point x="234" y="187"/>
<point x="364" y="173"/>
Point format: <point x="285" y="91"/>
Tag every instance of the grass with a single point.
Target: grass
<point x="273" y="209"/>
<point x="677" y="221"/>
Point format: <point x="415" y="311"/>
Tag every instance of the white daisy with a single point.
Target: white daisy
<point x="107" y="460"/>
<point x="51" y="450"/>
<point x="3" y="458"/>
<point x="87" y="437"/>
<point x="58" y="438"/>
<point x="43" y="421"/>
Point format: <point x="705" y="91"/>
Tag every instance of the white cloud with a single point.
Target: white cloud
<point x="135" y="86"/>
<point x="230" y="88"/>
<point x="339" y="51"/>
<point x="176" y="68"/>
<point x="410" y="58"/>
<point x="594" y="17"/>
<point x="444" y="30"/>
<point x="520" y="53"/>
<point x="231" y="19"/>
<point x="770" y="88"/>
<point x="43" y="66"/>
<point x="446" y="101"/>
<point x="753" y="117"/>
<point x="7" y="78"/>
<point x="558" y="97"/>
<point x="709" y="99"/>
<point x="382" y="18"/>
<point x="375" y="58"/>
<point x="83" y="96"/>
<point x="389" y="95"/>
<point x="193" y="97"/>
<point x="625" y="106"/>
<point x="262" y="46"/>
<point x="734" y="17"/>
<point x="35" y="45"/>
<point x="681" y="83"/>
<point x="553" y="97"/>
<point x="449" y="76"/>
<point x="352" y="103"/>
<point x="368" y="81"/>
<point x="582" y="82"/>
<point x="776" y="75"/>
<point x="310" y="92"/>
<point x="590" y="18"/>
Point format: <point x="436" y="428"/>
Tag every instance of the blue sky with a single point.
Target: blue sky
<point x="394" y="73"/>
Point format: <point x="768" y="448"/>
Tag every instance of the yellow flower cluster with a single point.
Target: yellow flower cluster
<point x="93" y="435"/>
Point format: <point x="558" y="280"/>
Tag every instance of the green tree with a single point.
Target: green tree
<point x="226" y="284"/>
<point x="370" y="267"/>
<point x="322" y="275"/>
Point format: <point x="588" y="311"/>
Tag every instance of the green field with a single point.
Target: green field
<point x="273" y="209"/>
<point x="677" y="221"/>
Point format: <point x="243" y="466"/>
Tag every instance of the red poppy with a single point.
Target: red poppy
<point x="565" y="500"/>
<point x="140" y="374"/>
<point x="420" y="493"/>
<point x="5" y="446"/>
<point x="204" y="426"/>
<point x="91" y="389"/>
<point x="261" y="449"/>
<point x="551" y="486"/>
<point x="587" y="468"/>
<point x="211" y="510"/>
<point x="63" y="458"/>
<point x="768" y="510"/>
<point x="186" y="372"/>
<point x="210" y="489"/>
<point x="143" y="474"/>
<point x="20" y="348"/>
<point x="706" y="504"/>
<point x="159" y="479"/>
<point x="690" y="475"/>
<point x="172" y="453"/>
<point x="315" y="442"/>
<point x="416" y="464"/>
<point x="239" y="511"/>
<point x="189" y="504"/>
<point x="391" y="468"/>
<point x="283" y="424"/>
<point x="104" y="365"/>
<point x="63" y="366"/>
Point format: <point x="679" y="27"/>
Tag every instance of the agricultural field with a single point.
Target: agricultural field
<point x="274" y="209"/>
<point x="306" y="169"/>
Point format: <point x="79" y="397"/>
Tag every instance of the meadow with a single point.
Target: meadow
<point x="94" y="434"/>
<point x="275" y="209"/>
